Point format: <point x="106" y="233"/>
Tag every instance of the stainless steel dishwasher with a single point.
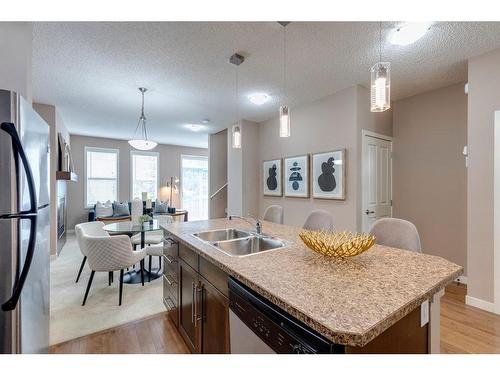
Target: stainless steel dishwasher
<point x="259" y="327"/>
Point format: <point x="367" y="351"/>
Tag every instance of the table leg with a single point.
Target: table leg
<point x="143" y="239"/>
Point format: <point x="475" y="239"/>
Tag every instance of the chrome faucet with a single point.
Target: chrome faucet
<point x="258" y="225"/>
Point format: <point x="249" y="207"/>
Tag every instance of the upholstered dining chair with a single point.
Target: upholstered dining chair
<point x="109" y="254"/>
<point x="157" y="249"/>
<point x="136" y="210"/>
<point x="93" y="228"/>
<point x="274" y="213"/>
<point x="319" y="220"/>
<point x="150" y="238"/>
<point x="154" y="251"/>
<point x="397" y="233"/>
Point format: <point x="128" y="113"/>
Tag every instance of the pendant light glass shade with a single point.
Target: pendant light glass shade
<point x="380" y="87"/>
<point x="236" y="136"/>
<point x="142" y="142"/>
<point x="284" y="121"/>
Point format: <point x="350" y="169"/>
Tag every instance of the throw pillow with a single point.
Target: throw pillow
<point x="160" y="207"/>
<point x="103" y="209"/>
<point x="120" y="209"/>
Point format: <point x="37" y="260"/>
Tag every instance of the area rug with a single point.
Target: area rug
<point x="69" y="319"/>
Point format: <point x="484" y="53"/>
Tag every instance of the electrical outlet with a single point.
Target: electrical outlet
<point x="424" y="313"/>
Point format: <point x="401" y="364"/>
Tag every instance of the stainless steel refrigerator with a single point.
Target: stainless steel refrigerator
<point x="24" y="227"/>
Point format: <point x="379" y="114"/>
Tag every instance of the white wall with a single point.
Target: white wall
<point x="243" y="171"/>
<point x="16" y="46"/>
<point x="483" y="101"/>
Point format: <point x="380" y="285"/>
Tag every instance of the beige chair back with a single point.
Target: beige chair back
<point x="136" y="210"/>
<point x="319" y="220"/>
<point x="111" y="253"/>
<point x="274" y="214"/>
<point x="396" y="233"/>
<point x="92" y="228"/>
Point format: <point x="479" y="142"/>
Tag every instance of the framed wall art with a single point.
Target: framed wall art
<point x="328" y="175"/>
<point x="296" y="176"/>
<point x="272" y="177"/>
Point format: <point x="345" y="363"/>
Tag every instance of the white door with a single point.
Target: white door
<point x="376" y="179"/>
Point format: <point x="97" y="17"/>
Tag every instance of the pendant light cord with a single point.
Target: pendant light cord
<point x="284" y="62"/>
<point x="380" y="41"/>
<point x="142" y="120"/>
<point x="237" y="95"/>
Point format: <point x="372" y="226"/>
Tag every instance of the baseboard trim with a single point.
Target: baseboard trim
<point x="461" y="279"/>
<point x="480" y="304"/>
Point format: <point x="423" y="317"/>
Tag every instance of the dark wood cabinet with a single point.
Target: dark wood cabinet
<point x="203" y="308"/>
<point x="188" y="289"/>
<point x="214" y="308"/>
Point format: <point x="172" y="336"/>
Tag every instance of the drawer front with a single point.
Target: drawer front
<point x="170" y="288"/>
<point x="214" y="275"/>
<point x="171" y="267"/>
<point x="170" y="248"/>
<point x="172" y="310"/>
<point x="188" y="256"/>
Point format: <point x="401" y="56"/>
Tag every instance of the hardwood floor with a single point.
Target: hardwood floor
<point x="464" y="329"/>
<point x="153" y="335"/>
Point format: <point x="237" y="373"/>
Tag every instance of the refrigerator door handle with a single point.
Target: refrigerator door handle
<point x="11" y="303"/>
<point x="31" y="214"/>
<point x="17" y="149"/>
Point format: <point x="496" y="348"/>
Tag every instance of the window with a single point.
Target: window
<point x="144" y="174"/>
<point x="194" y="182"/>
<point x="101" y="175"/>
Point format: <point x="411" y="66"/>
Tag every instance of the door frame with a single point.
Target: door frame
<point x="495" y="306"/>
<point x="364" y="170"/>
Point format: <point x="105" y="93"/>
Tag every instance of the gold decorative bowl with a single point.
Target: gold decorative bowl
<point x="337" y="244"/>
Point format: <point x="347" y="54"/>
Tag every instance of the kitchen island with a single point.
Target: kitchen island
<point x="375" y="302"/>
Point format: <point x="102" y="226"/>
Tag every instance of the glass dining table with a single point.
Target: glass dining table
<point x="129" y="228"/>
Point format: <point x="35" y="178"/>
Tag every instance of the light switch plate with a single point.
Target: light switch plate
<point x="424" y="313"/>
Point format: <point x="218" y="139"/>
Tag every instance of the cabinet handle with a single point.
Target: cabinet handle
<point x="170" y="305"/>
<point x="168" y="281"/>
<point x="201" y="309"/>
<point x="168" y="259"/>
<point x="169" y="240"/>
<point x="203" y="304"/>
<point x="193" y="302"/>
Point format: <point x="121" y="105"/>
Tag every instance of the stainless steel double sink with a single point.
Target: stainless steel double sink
<point x="239" y="243"/>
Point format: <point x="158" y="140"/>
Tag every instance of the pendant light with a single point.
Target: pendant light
<point x="142" y="142"/>
<point x="380" y="82"/>
<point x="284" y="110"/>
<point x="237" y="59"/>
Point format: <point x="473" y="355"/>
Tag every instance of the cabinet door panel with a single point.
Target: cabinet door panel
<point x="214" y="311"/>
<point x="188" y="282"/>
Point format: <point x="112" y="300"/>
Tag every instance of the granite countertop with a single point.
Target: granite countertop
<point x="349" y="301"/>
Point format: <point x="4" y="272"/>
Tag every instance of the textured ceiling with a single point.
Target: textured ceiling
<point x="91" y="71"/>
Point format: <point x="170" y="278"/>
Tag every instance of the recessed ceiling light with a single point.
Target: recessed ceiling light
<point x="194" y="127"/>
<point x="205" y="121"/>
<point x="409" y="32"/>
<point x="259" y="98"/>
